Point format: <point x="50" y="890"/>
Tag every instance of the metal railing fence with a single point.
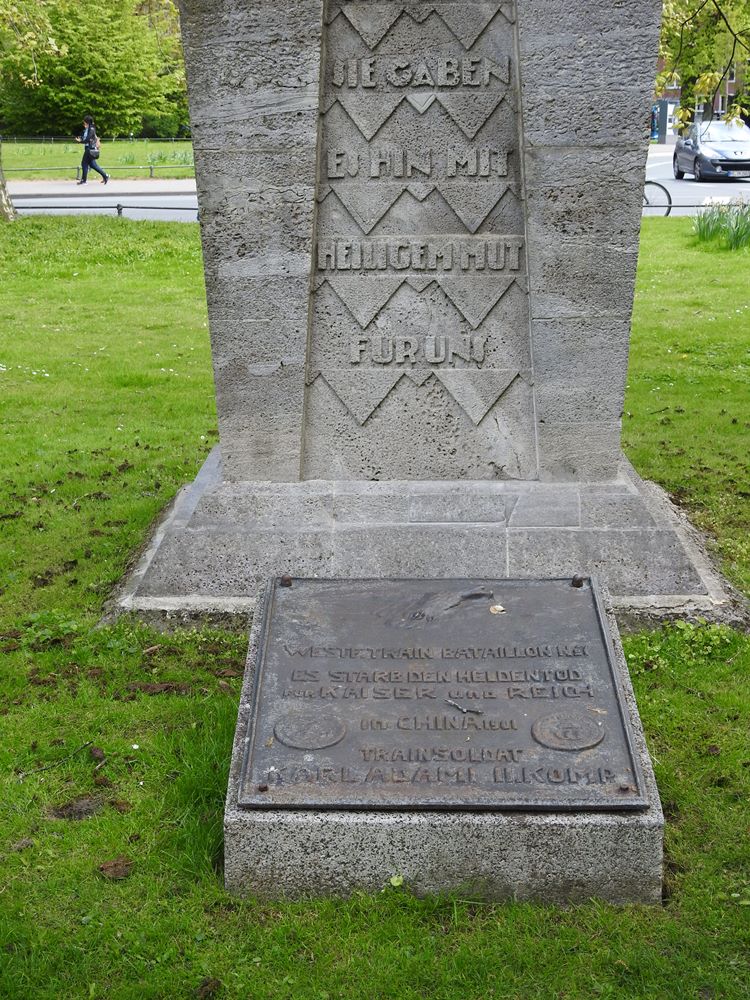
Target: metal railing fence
<point x="119" y="208"/>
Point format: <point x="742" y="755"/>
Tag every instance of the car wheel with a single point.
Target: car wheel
<point x="679" y="174"/>
<point x="698" y="172"/>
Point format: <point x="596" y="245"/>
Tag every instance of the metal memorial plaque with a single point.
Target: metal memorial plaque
<point x="438" y="694"/>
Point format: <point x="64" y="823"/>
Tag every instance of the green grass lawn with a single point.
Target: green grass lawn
<point x="22" y="160"/>
<point x="107" y="410"/>
<point x="687" y="409"/>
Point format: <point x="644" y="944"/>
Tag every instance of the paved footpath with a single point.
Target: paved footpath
<point x="169" y="200"/>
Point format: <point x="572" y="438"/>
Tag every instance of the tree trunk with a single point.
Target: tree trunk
<point x="7" y="211"/>
<point x="687" y="96"/>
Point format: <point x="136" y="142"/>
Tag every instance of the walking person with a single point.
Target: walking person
<point x="90" y="142"/>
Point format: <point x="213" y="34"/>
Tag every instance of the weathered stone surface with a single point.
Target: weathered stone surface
<point x="281" y="299"/>
<point x="556" y="115"/>
<point x="578" y="450"/>
<point x="575" y="858"/>
<point x="554" y="507"/>
<point x="253" y="71"/>
<point x="253" y="76"/>
<point x="570" y="194"/>
<point x="411" y="550"/>
<point x="454" y="505"/>
<point x="583" y="241"/>
<point x="223" y="540"/>
<point x="603" y="508"/>
<point x="582" y="348"/>
<point x="455" y="435"/>
<point x="620" y="554"/>
<point x="257" y="341"/>
<point x="580" y="366"/>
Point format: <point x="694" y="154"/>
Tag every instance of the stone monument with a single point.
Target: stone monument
<point x="420" y="229"/>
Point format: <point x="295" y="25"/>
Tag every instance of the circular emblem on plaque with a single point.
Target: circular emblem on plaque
<point x="568" y="731"/>
<point x="309" y="731"/>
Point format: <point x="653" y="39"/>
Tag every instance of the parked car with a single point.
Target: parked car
<point x="712" y="150"/>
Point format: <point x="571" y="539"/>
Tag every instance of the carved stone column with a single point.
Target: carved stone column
<point x="420" y="231"/>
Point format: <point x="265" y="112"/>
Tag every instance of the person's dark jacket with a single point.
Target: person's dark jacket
<point x="89" y="137"/>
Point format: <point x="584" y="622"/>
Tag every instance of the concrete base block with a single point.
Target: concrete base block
<point x="219" y="541"/>
<point x="549" y="857"/>
<point x="546" y="858"/>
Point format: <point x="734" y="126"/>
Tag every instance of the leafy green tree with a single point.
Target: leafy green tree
<point x="109" y="61"/>
<point x="24" y="28"/>
<point x="701" y="40"/>
<point x="164" y="24"/>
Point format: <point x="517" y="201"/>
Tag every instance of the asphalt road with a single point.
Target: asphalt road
<point x="175" y="200"/>
<point x="687" y="193"/>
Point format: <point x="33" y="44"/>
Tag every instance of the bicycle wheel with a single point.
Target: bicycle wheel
<point x="656" y="199"/>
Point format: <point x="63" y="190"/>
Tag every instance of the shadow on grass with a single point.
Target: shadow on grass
<point x="194" y="804"/>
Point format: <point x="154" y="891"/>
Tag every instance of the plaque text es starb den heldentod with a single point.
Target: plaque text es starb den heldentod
<point x="438" y="694"/>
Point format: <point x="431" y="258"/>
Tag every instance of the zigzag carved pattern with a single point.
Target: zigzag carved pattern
<point x="475" y="392"/>
<point x="468" y="112"/>
<point x="474" y="297"/>
<point x="373" y="21"/>
<point x="367" y="204"/>
<point x="471" y="203"/>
